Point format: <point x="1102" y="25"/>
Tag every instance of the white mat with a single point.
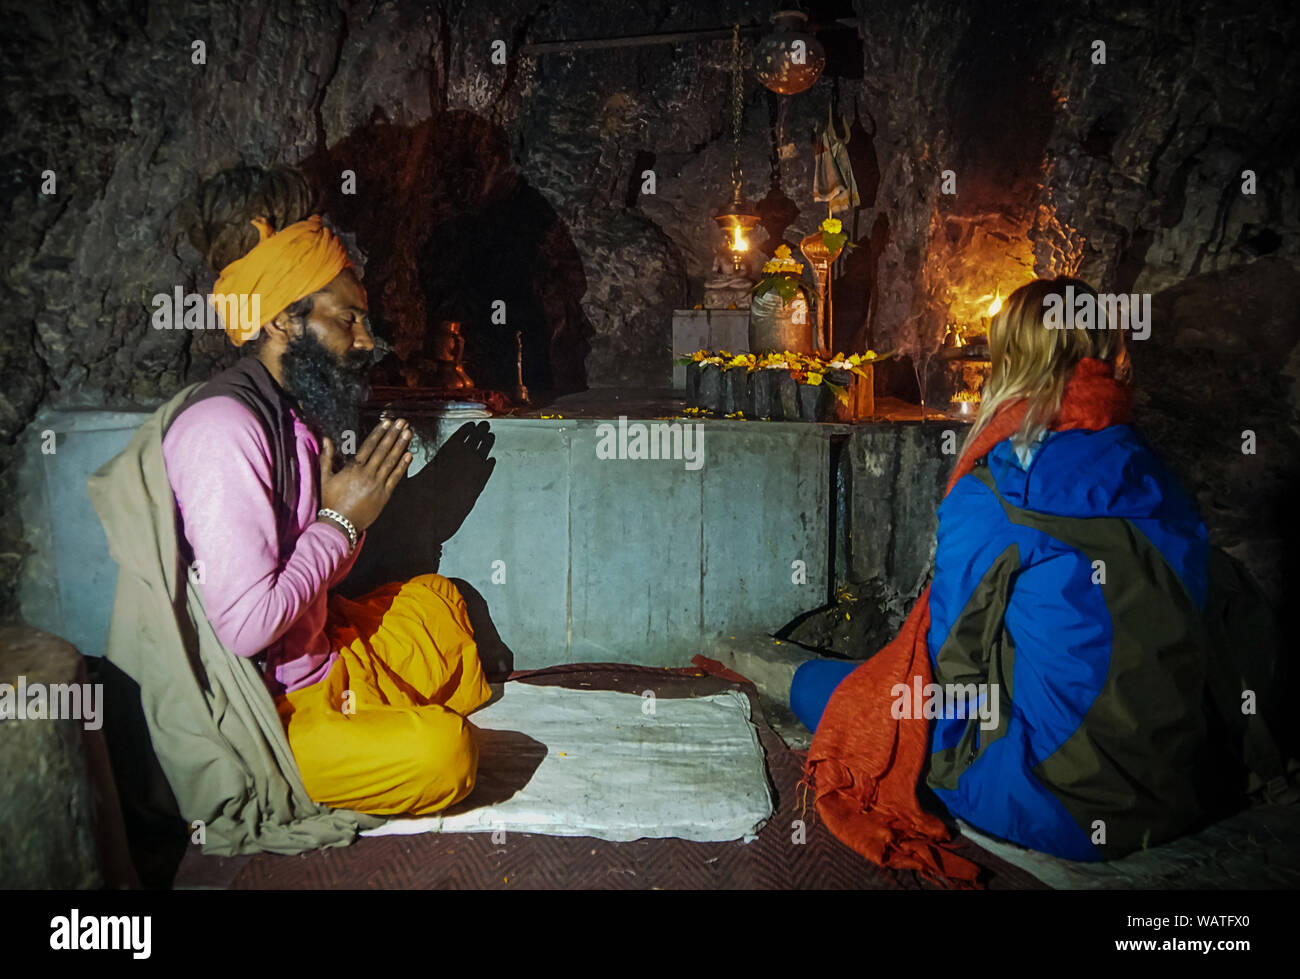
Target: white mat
<point x="599" y="765"/>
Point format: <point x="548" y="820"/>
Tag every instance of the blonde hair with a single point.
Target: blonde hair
<point x="1033" y="361"/>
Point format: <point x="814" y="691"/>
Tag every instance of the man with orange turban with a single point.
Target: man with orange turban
<point x="373" y="693"/>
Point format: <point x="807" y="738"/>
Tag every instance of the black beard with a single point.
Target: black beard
<point x="329" y="389"/>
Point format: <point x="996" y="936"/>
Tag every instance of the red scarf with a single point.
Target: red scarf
<point x="865" y="764"/>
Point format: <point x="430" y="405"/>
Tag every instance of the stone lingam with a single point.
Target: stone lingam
<point x="779" y="314"/>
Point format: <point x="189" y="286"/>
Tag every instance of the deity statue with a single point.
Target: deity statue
<point x="444" y="350"/>
<point x="730" y="283"/>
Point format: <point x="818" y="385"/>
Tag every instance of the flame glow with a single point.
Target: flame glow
<point x="995" y="305"/>
<point x="738" y="242"/>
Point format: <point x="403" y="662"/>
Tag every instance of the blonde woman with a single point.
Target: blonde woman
<point x="1063" y="630"/>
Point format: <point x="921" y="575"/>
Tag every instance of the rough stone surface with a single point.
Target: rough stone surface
<point x="1128" y="172"/>
<point x="44" y="774"/>
<point x="1218" y="385"/>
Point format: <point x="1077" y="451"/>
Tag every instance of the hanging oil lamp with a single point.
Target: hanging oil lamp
<point x="737" y="217"/>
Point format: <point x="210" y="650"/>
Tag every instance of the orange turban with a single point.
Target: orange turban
<point x="283" y="267"/>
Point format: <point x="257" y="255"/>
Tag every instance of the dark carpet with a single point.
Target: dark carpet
<point x="773" y="861"/>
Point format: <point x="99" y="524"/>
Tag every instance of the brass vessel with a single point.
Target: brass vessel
<point x="821" y="258"/>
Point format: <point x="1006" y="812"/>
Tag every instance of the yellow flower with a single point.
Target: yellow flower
<point x="832" y="225"/>
<point x="814" y="377"/>
<point x="699" y="355"/>
<point x="782" y="251"/>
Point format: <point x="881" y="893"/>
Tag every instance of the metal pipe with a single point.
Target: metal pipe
<point x="639" y="40"/>
<point x="642" y="40"/>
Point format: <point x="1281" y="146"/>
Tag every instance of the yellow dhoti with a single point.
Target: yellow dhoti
<point x="385" y="732"/>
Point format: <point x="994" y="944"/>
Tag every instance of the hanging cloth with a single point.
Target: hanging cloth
<point x="833" y="179"/>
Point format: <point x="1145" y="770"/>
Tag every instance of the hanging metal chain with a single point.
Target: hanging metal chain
<point x="737" y="105"/>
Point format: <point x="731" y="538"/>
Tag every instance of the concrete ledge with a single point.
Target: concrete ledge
<point x="768" y="663"/>
<point x="578" y="557"/>
<point x="68" y="579"/>
<point x="573" y="557"/>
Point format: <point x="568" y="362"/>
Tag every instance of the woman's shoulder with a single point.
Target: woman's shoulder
<point x="971" y="500"/>
<point x="1110" y="471"/>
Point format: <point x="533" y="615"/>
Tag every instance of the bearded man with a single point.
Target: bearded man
<point x="372" y="693"/>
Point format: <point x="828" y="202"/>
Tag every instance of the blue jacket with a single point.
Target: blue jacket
<point x="1069" y="589"/>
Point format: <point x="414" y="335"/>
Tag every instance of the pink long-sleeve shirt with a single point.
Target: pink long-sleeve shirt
<point x="219" y="466"/>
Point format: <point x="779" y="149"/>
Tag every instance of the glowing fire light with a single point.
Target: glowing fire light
<point x="995" y="305"/>
<point x="738" y="242"/>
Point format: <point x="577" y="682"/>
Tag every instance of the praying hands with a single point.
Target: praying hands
<point x="360" y="489"/>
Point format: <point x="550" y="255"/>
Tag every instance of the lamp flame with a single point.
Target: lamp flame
<point x="738" y="242"/>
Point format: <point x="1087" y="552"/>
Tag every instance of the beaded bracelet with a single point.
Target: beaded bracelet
<point x="342" y="521"/>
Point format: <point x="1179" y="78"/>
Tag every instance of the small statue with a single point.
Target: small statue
<point x="448" y="349"/>
<point x="440" y="364"/>
<point x="730" y="285"/>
